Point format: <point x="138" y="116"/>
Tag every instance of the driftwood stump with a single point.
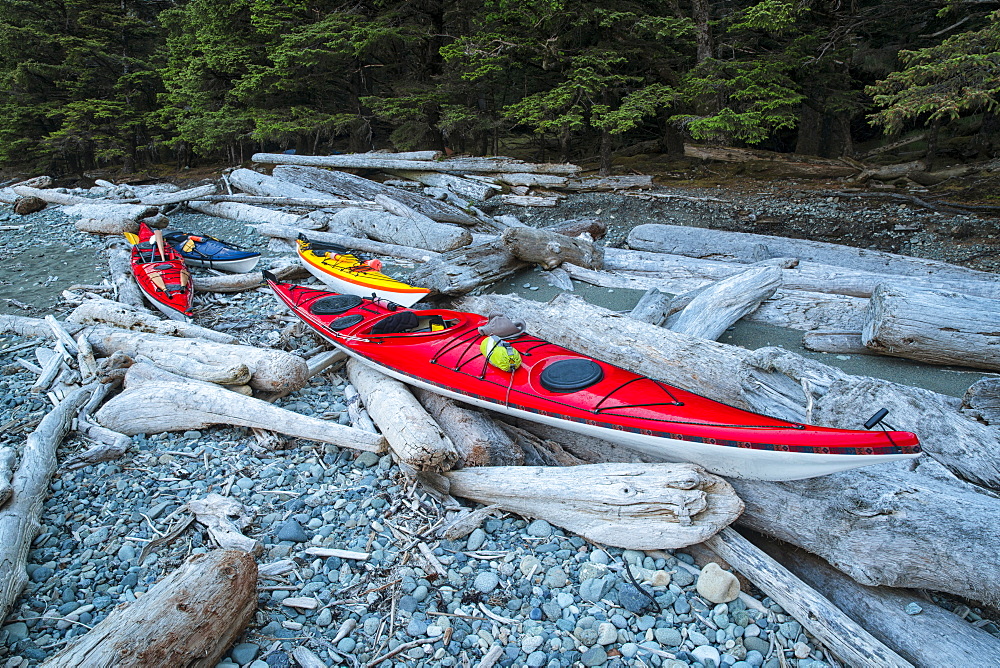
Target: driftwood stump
<point x="190" y="618"/>
<point x="638" y="507"/>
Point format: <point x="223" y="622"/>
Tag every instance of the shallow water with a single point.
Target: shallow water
<point x="952" y="381"/>
<point x="37" y="275"/>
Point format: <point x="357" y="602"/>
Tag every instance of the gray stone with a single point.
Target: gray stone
<point x="367" y="460"/>
<point x="556" y="578"/>
<point x="292" y="531"/>
<point x="244" y="653"/>
<point x="706" y="654"/>
<point x="595" y="589"/>
<point x="595" y="656"/>
<point x="325" y="617"/>
<point x="539" y="529"/>
<point x="486" y="582"/>
<point x="475" y="540"/>
<point x="347" y="645"/>
<point x="16" y="632"/>
<point x="632" y="599"/>
<point x="668" y="637"/>
<point x="537" y="659"/>
<point x="756" y="643"/>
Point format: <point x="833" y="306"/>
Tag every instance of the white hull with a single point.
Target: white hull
<point x="404" y="299"/>
<point x="722" y="460"/>
<point x="171" y="313"/>
<point x="234" y="266"/>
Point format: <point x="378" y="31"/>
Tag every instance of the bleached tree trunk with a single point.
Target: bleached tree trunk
<point x="414" y="437"/>
<point x="720" y="305"/>
<point x="19" y="519"/>
<point x="405" y="231"/>
<point x="549" y="249"/>
<point x="162" y="198"/>
<point x="456" y="165"/>
<point x="189" y="618"/>
<point x="106" y="311"/>
<point x="478" y="439"/>
<point x="638" y="507"/>
<point x="462" y="270"/>
<point x="456" y="184"/>
<point x="356" y="243"/>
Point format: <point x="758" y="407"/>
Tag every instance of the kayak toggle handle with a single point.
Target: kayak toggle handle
<point x="877" y="418"/>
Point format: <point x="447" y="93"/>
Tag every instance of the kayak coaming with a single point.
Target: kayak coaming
<point x="341" y="272"/>
<point x="772" y="449"/>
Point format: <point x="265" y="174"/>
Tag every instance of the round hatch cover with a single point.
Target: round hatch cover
<point x="335" y="304"/>
<point x="345" y="322"/>
<point x="570" y="375"/>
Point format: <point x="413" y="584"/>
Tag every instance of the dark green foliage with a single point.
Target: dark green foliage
<point x="98" y="83"/>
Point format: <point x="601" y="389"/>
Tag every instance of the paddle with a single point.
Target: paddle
<point x="158" y="224"/>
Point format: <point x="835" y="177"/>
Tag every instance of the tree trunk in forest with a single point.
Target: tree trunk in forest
<point x="189" y="618"/>
<point x="701" y="12"/>
<point x="605" y="153"/>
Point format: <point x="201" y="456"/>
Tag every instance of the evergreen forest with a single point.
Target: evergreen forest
<point x="88" y="84"/>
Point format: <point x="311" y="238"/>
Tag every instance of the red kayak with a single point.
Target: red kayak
<point x="522" y="375"/>
<point x="161" y="274"/>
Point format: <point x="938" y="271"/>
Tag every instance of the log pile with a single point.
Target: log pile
<point x="114" y="370"/>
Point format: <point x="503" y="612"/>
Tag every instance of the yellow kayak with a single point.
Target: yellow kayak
<point x="352" y="274"/>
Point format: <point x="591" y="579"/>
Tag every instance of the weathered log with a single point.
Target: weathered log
<point x="110" y="445"/>
<point x="8" y="196"/>
<point x="153" y="408"/>
<point x="388" y="228"/>
<point x="934" y="637"/>
<point x="105" y="311"/>
<point x="768" y="380"/>
<point x="256" y="183"/>
<point x="608" y="183"/>
<point x="326" y="202"/>
<point x="414" y="437"/>
<point x="891" y="172"/>
<point x="849" y="641"/>
<point x="225" y="518"/>
<point x="585" y="448"/>
<point x="7" y="460"/>
<point x="350" y="186"/>
<point x="248" y="213"/>
<point x="574" y="227"/>
<point x="51" y="195"/>
<point x="529" y="200"/>
<point x="539" y="451"/>
<point x="462" y="270"/>
<point x="19" y="519"/>
<point x="844" y="343"/>
<point x="774" y="164"/>
<point x="272" y="370"/>
<point x="527" y="179"/>
<point x="652" y="307"/>
<point x="126" y="289"/>
<point x="550" y="249"/>
<point x="890" y="525"/>
<point x="96" y="216"/>
<point x="418" y="222"/>
<point x="456" y="165"/>
<point x="282" y="268"/>
<point x="229" y="374"/>
<point x="717" y="307"/>
<point x="26" y="326"/>
<point x="355" y="243"/>
<point x="456" y="184"/>
<point x="189" y="618"/>
<point x="143" y="370"/>
<point x="164" y="198"/>
<point x="933" y="326"/>
<point x="697" y="242"/>
<point x="478" y="439"/>
<point x="639" y="507"/>
<point x="982" y="400"/>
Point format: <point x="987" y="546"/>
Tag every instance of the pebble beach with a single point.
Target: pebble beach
<point x="513" y="592"/>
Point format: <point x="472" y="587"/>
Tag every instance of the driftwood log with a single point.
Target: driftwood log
<point x="549" y="248"/>
<point x="256" y="183"/>
<point x="456" y="165"/>
<point x="271" y="370"/>
<point x="152" y="408"/>
<point x="982" y="401"/>
<point x="106" y="311"/>
<point x="356" y="243"/>
<point x="126" y="289"/>
<point x="808" y="276"/>
<point x="844" y="343"/>
<point x="462" y="270"/>
<point x="349" y="186"/>
<point x="774" y="164"/>
<point x="463" y="187"/>
<point x="415" y="438"/>
<point x="189" y="618"/>
<point x="718" y="306"/>
<point x="178" y="196"/>
<point x="836" y="630"/>
<point x="248" y="213"/>
<point x="282" y="268"/>
<point x="225" y="518"/>
<point x="8" y="458"/>
<point x="697" y="242"/>
<point x="639" y="507"/>
<point x="934" y="637"/>
<point x="416" y="231"/>
<point x="933" y="326"/>
<point x="94" y="216"/>
<point x="19" y="519"/>
<point x="478" y="439"/>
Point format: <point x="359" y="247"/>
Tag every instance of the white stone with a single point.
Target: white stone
<point x="530" y="643"/>
<point x="704" y="653"/>
<point x="802" y="650"/>
<point x="607" y="633"/>
<point x="717" y="585"/>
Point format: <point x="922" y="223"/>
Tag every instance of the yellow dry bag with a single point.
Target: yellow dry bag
<point x="500" y="354"/>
